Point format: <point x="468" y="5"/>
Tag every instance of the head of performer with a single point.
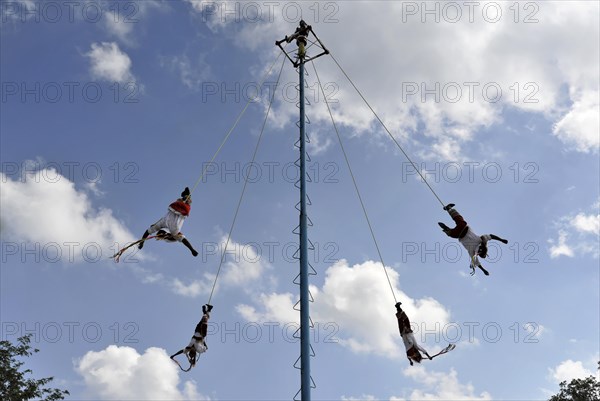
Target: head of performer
<point x="398" y="308"/>
<point x="186" y="196"/>
<point x="482" y="252"/>
<point x="414" y="354"/>
<point x="191" y="354"/>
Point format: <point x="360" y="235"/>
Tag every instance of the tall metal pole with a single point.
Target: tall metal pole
<point x="301" y="36"/>
<point x="304" y="298"/>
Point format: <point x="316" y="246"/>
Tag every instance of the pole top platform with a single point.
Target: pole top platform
<point x="302" y="35"/>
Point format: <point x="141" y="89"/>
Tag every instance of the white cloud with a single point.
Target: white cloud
<point x="440" y="386"/>
<point x="121" y="373"/>
<point x="93" y="188"/>
<point x="569" y="370"/>
<point x="319" y="142"/>
<point x="531" y="63"/>
<point x="43" y="207"/>
<point x="587" y="223"/>
<point x="535" y="329"/>
<point x="193" y="288"/>
<point x="277" y="307"/>
<point x="215" y="13"/>
<point x="109" y="63"/>
<point x="192" y="73"/>
<point x="117" y="25"/>
<point x="119" y="20"/>
<point x="357" y="299"/>
<point x="19" y="10"/>
<point x="243" y="265"/>
<point x="247" y="264"/>
<point x="580" y="126"/>
<point x="561" y="248"/>
<point x="577" y="234"/>
<point x="364" y="397"/>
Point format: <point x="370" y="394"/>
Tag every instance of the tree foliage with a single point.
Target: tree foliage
<point x="14" y="385"/>
<point x="587" y="389"/>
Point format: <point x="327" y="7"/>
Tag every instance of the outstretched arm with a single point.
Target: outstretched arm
<point x="492" y="236"/>
<point x="177" y="353"/>
<point x="483" y="270"/>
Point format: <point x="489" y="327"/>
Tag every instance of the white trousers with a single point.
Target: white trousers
<point x="410" y="342"/>
<point x="172" y="222"/>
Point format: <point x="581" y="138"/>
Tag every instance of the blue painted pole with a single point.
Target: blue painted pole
<point x="304" y="300"/>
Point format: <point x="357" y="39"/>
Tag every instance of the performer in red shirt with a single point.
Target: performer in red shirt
<point x="169" y="227"/>
<point x="474" y="244"/>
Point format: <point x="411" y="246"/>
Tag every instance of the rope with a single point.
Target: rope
<point x="355" y="185"/>
<point x="181" y="367"/>
<point x="389" y="133"/>
<point x="232" y="127"/>
<point x="119" y="253"/>
<point x="245" y="184"/>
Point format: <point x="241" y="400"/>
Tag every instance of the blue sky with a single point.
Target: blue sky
<point x="109" y="109"/>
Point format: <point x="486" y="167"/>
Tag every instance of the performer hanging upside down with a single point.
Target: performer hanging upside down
<point x="412" y="348"/>
<point x="169" y="227"/>
<point x="475" y="245"/>
<point x="197" y="344"/>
